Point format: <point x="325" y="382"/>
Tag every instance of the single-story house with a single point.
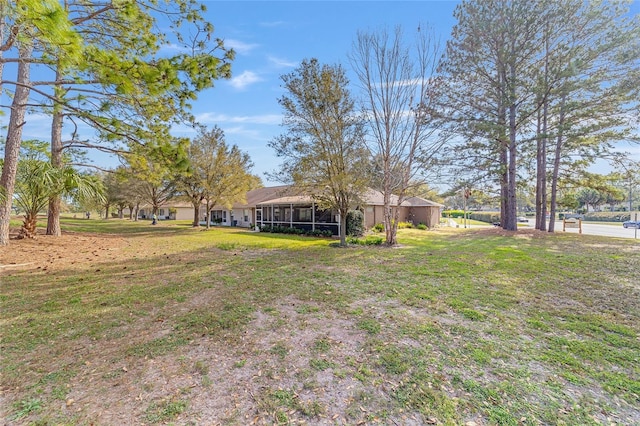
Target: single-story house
<point x="282" y="206"/>
<point x="171" y="210"/>
<point x="412" y="209"/>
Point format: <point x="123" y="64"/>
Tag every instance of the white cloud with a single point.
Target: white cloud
<point x="245" y="79"/>
<point x="213" y="118"/>
<point x="272" y="24"/>
<point x="172" y="47"/>
<point x="282" y="63"/>
<point x="240" y="46"/>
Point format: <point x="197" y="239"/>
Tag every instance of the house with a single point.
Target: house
<point x="243" y="214"/>
<point x="413" y="209"/>
<point x="281" y="206"/>
<point x="171" y="210"/>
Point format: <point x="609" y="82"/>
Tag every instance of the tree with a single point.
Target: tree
<point x="218" y="174"/>
<point x="399" y="107"/>
<point x="324" y="149"/>
<point x="589" y="197"/>
<point x="126" y="88"/>
<point x="112" y="74"/>
<point x="591" y="52"/>
<point x="486" y="93"/>
<point x="37" y="180"/>
<point x="34" y="22"/>
<point x="545" y="81"/>
<point x="114" y="191"/>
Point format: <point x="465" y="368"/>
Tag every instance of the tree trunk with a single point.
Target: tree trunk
<point x="196" y="214"/>
<point x="343" y="227"/>
<point x="53" y="215"/>
<point x="29" y="226"/>
<point x="511" y="211"/>
<point x="502" y="155"/>
<point x="542" y="142"/>
<point x="14" y="139"/>
<point x="541" y="170"/>
<point x="556" y="167"/>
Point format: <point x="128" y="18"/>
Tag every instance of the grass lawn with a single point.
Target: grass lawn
<point x="127" y="323"/>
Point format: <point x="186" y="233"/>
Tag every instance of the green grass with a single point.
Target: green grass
<point x="454" y="325"/>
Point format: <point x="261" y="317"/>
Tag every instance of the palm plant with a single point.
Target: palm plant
<point x="37" y="181"/>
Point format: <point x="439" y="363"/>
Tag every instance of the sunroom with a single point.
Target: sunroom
<point x="297" y="212"/>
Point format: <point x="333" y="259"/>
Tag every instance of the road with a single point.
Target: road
<point x="596" y="229"/>
<point x="587" y="229"/>
<point x="603" y="230"/>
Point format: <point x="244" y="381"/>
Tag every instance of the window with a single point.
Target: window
<point x="161" y="212"/>
<point x="302" y="214"/>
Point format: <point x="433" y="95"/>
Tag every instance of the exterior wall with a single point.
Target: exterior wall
<point x="184" y="213"/>
<point x="242" y="217"/>
<point x="428" y="215"/>
<point x="373" y="215"/>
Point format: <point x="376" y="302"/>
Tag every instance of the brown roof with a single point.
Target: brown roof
<point x="260" y="195"/>
<point x="376" y="198"/>
<point x="285" y="195"/>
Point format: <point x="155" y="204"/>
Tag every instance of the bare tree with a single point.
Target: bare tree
<point x="398" y="82"/>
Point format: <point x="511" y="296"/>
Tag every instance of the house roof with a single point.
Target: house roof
<point x="260" y="195"/>
<point x="374" y="197"/>
<point x="284" y="195"/>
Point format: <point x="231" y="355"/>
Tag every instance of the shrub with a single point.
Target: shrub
<point x="405" y="225"/>
<point x="295" y="231"/>
<point x="378" y="227"/>
<point x="355" y="223"/>
<point x="422" y="227"/>
<point x="607" y="216"/>
<point x="369" y="240"/>
<point x="453" y="213"/>
<point x="488" y="217"/>
<point x="373" y="240"/>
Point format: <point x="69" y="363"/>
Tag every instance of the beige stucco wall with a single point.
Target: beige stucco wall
<point x="430" y="216"/>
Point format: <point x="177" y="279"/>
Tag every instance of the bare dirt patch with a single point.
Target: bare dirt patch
<point x="49" y="253"/>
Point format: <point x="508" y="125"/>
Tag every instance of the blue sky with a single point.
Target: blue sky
<point x="271" y="38"/>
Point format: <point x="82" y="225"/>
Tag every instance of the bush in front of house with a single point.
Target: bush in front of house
<point x="295" y="231"/>
<point x="355" y="223"/>
<point x="378" y="227"/>
<point x="422" y="227"/>
<point x="369" y="240"/>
